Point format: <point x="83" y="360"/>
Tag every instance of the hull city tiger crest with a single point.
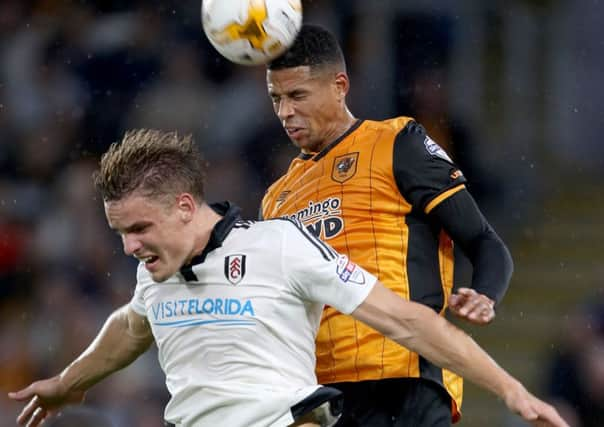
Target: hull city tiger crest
<point x="234" y="268"/>
<point x="344" y="167"/>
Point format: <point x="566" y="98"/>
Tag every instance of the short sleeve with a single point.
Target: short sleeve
<point x="137" y="303"/>
<point x="424" y="173"/>
<point x="316" y="272"/>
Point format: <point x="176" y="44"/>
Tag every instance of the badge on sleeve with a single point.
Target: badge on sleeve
<point x="349" y="272"/>
<point x="436" y="150"/>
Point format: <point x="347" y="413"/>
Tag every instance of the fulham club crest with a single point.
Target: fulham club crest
<point x="234" y="268"/>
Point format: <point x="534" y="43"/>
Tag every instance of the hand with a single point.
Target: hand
<point x="535" y="411"/>
<point x="472" y="306"/>
<point x="45" y="397"/>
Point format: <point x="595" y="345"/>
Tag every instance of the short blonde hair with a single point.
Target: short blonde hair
<point x="153" y="162"/>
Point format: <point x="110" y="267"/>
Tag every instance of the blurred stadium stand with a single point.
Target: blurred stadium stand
<point x="512" y="89"/>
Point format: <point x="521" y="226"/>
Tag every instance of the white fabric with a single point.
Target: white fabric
<point x="242" y="354"/>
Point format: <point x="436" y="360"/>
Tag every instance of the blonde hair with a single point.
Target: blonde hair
<point x="153" y="162"/>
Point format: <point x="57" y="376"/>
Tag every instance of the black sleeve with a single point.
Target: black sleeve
<point x="422" y="169"/>
<point x="492" y="263"/>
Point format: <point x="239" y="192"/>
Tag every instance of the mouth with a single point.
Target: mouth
<point x="293" y="132"/>
<point x="149" y="261"/>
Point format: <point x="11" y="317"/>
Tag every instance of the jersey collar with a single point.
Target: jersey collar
<point x="230" y="215"/>
<point x="318" y="156"/>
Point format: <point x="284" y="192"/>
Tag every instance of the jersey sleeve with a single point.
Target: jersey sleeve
<point x="137" y="303"/>
<point x="491" y="260"/>
<point x="424" y="173"/>
<point x="316" y="272"/>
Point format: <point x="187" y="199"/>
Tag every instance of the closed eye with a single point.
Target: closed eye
<point x="138" y="229"/>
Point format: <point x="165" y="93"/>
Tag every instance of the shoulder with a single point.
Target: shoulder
<point x="266" y="230"/>
<point x="294" y="166"/>
<point x="274" y="186"/>
<point x="413" y="144"/>
<point x="273" y="237"/>
<point x="286" y="229"/>
<point x="277" y="225"/>
<point x="382" y="135"/>
<point x="393" y="125"/>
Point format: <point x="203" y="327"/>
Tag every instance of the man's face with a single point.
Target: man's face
<point x="308" y="105"/>
<point x="155" y="232"/>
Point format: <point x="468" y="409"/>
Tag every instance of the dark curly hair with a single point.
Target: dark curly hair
<point x="315" y="47"/>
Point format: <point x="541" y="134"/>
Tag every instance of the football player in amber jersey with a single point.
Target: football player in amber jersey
<point x="387" y="196"/>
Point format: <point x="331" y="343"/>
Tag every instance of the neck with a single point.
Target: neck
<point x="347" y="123"/>
<point x="206" y="219"/>
<point x="341" y="126"/>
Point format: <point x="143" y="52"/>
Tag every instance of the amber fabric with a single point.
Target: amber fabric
<point x="348" y="195"/>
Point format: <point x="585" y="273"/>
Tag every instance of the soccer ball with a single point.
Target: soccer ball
<point x="251" y="32"/>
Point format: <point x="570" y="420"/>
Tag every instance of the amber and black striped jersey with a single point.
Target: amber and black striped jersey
<point x="369" y="194"/>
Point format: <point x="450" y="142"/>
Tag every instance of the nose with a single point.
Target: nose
<point x="131" y="244"/>
<point x="285" y="109"/>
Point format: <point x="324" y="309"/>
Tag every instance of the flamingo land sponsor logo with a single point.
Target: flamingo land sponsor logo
<point x="323" y="218"/>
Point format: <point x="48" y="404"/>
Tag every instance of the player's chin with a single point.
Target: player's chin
<point x="160" y="275"/>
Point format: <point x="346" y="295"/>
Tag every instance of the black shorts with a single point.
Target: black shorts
<point x="324" y="407"/>
<point x="394" y="402"/>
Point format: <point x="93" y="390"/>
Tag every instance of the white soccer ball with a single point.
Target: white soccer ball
<point x="251" y="32"/>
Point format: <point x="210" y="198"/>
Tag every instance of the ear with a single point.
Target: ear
<point x="186" y="206"/>
<point x="342" y="84"/>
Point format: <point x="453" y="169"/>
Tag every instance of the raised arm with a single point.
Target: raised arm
<point x="420" y="329"/>
<point x="432" y="183"/>
<point x="491" y="260"/>
<point x="124" y="336"/>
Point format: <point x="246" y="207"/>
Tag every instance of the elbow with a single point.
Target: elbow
<point x="408" y="326"/>
<point x="509" y="263"/>
<point x="507" y="271"/>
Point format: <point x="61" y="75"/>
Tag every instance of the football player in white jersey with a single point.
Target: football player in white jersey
<point x="234" y="306"/>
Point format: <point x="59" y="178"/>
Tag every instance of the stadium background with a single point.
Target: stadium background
<point x="514" y="85"/>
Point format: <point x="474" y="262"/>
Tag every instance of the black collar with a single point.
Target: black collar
<point x="318" y="156"/>
<point x="230" y="215"/>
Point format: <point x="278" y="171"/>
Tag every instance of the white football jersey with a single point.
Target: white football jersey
<point x="236" y="327"/>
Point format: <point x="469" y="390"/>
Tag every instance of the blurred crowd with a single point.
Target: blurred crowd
<point x="74" y="75"/>
<point x="575" y="380"/>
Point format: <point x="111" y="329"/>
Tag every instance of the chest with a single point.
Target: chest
<point x="228" y="291"/>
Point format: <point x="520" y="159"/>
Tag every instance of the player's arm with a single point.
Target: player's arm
<point x="431" y="182"/>
<point x="491" y="261"/>
<point x="316" y="272"/>
<point x="420" y="329"/>
<point x="124" y="336"/>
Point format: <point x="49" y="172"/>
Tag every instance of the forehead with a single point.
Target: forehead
<point x="288" y="79"/>
<point x="129" y="210"/>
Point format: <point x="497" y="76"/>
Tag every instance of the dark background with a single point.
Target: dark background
<point x="511" y="89"/>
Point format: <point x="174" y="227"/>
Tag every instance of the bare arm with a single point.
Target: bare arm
<point x="124" y="336"/>
<point x="420" y="329"/>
